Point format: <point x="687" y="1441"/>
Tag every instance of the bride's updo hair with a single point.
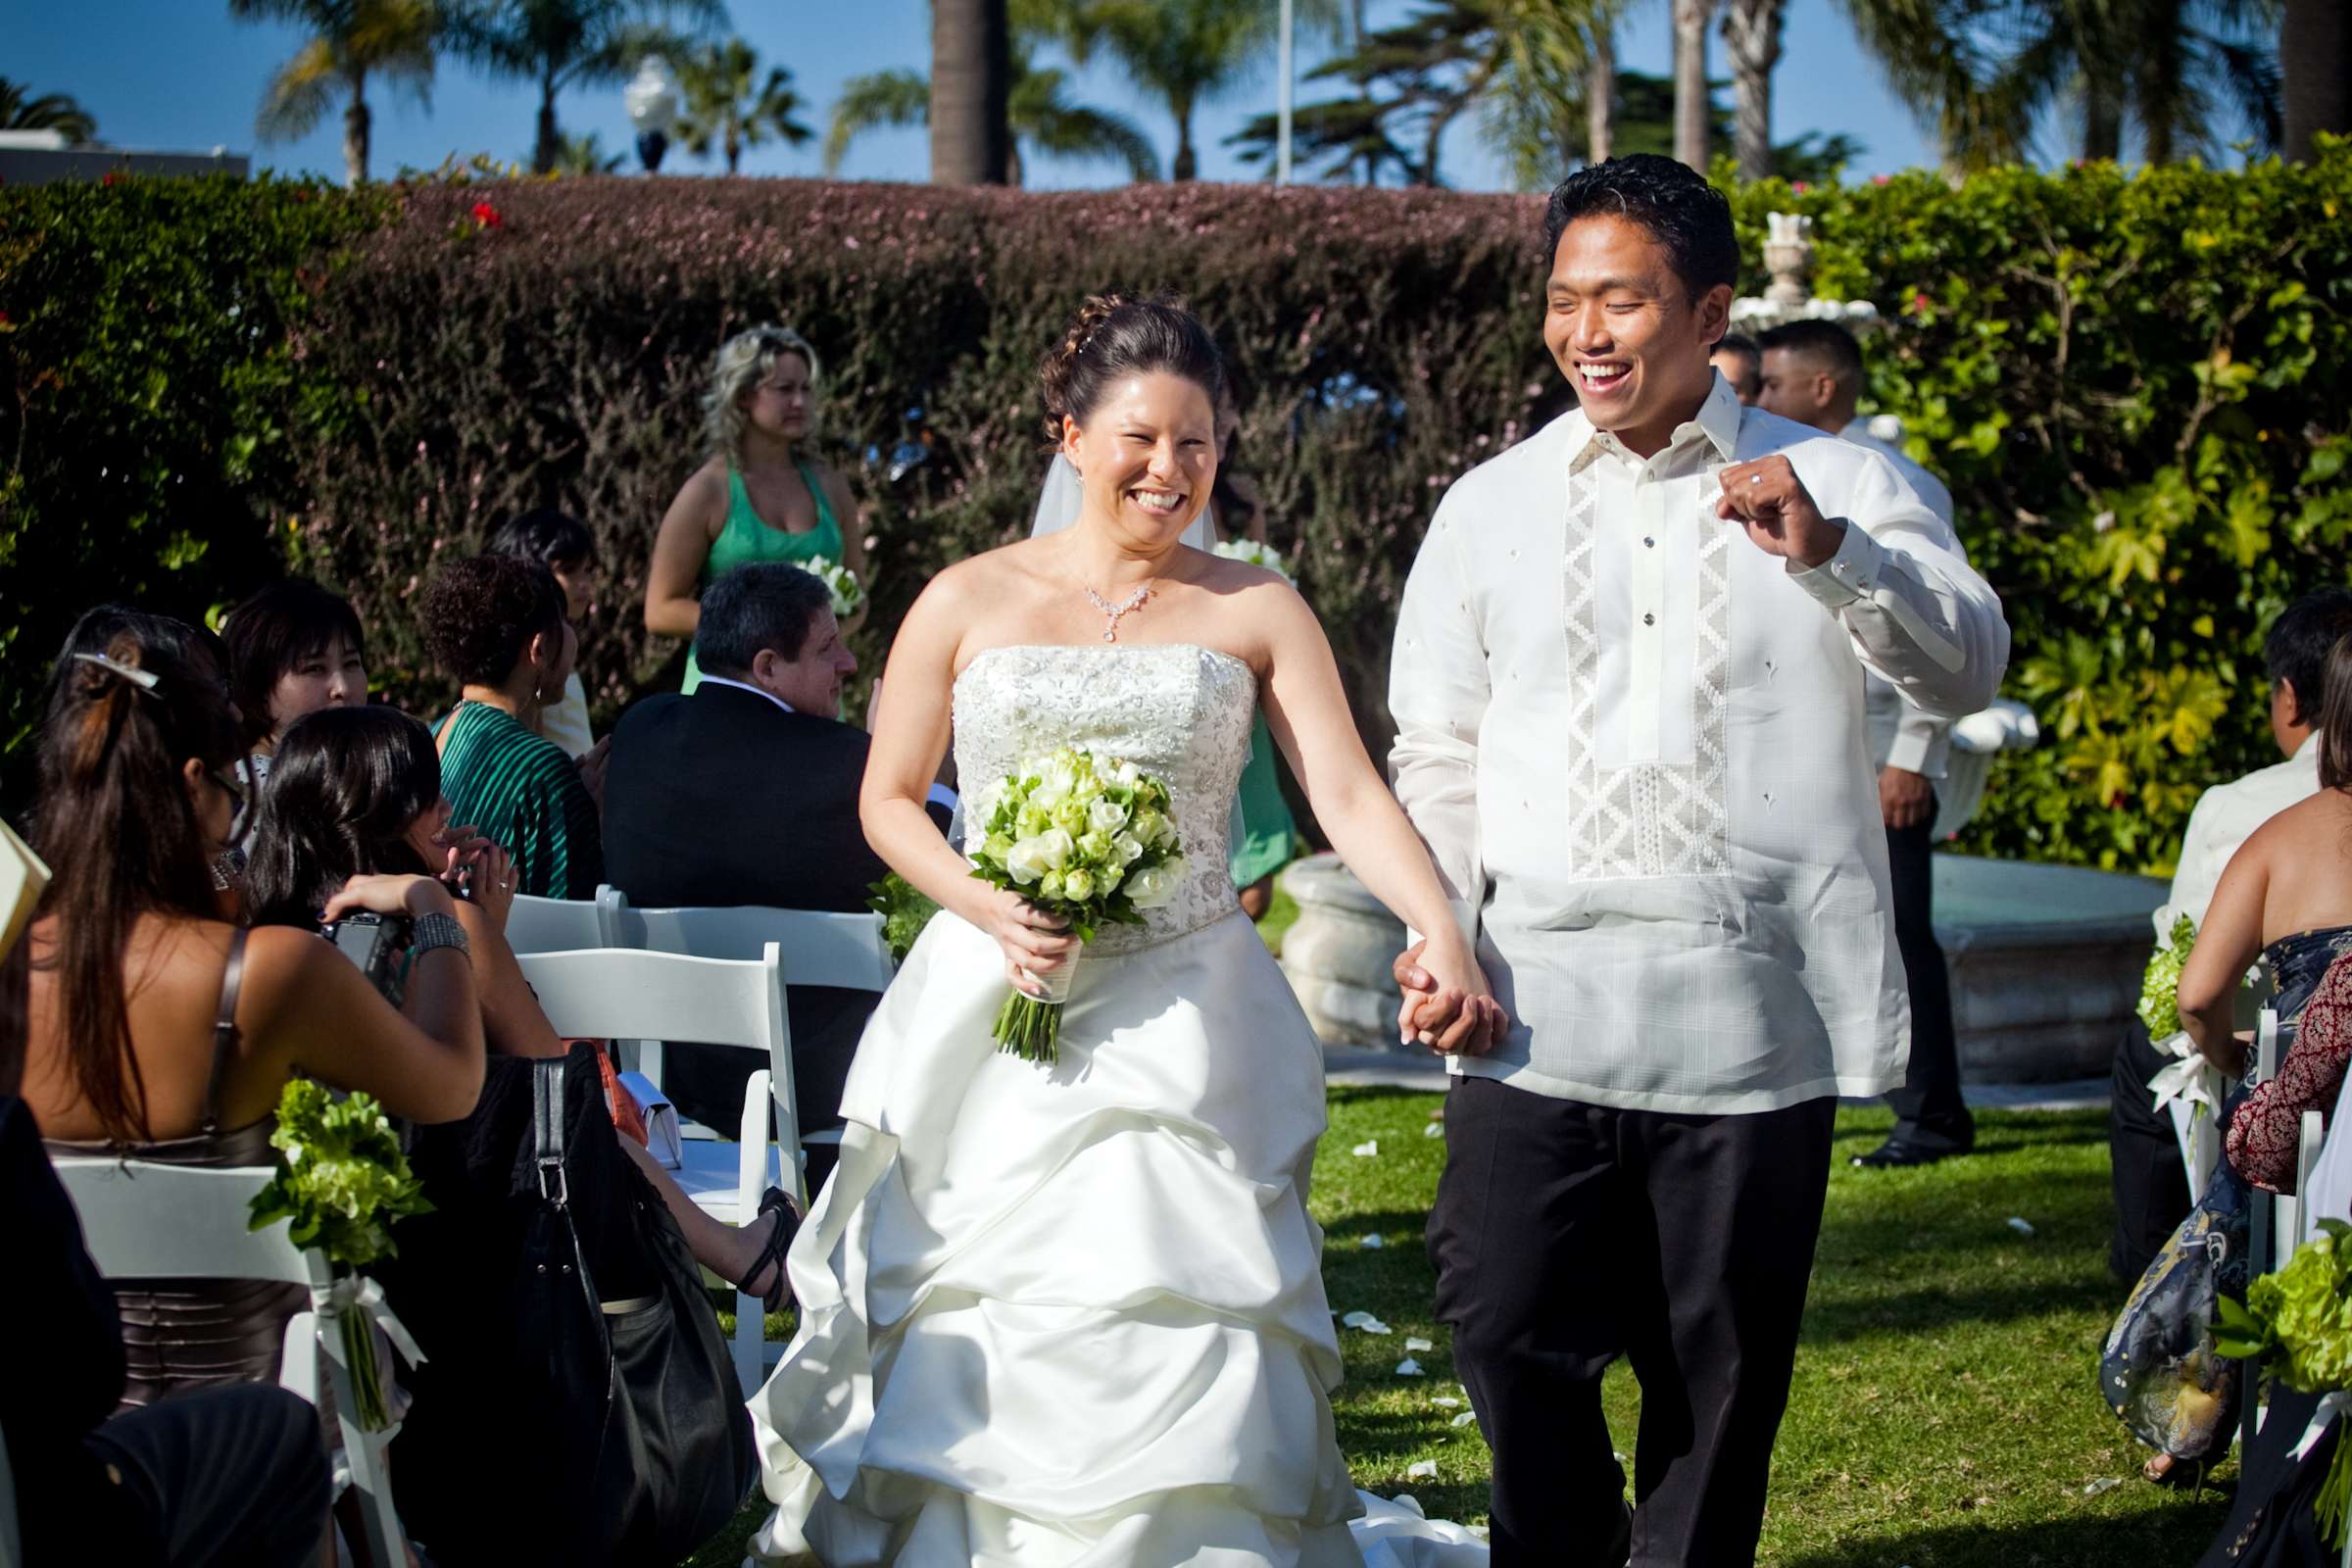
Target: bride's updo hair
<point x="1115" y="337"/>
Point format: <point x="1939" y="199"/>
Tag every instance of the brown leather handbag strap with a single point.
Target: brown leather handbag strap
<point x="224" y="1030"/>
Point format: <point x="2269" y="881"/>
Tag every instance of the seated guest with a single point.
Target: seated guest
<point x="293" y="649"/>
<point x="1740" y="363"/>
<point x="746" y="792"/>
<point x="2265" y="1135"/>
<point x="2287" y="895"/>
<point x="232" y="1475"/>
<point x="357" y="792"/>
<point x="2151" y="1187"/>
<point x="561" y="544"/>
<point x="158" y="1030"/>
<point x="496" y="625"/>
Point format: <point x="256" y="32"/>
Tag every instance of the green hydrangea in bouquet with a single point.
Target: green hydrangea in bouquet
<point x="841" y="581"/>
<point x="1086" y="838"/>
<point x="2160" y="987"/>
<point x="906" y="909"/>
<point x="342" y="1183"/>
<point x="2298" y="1324"/>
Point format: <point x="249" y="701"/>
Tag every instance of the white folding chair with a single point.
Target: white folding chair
<point x="141" y="1220"/>
<point x="561" y="925"/>
<point x="820" y="948"/>
<point x="627" y="994"/>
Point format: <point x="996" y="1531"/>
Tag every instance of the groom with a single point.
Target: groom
<point x="1629" y="688"/>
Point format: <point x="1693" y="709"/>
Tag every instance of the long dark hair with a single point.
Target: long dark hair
<point x="122" y="840"/>
<point x="2335" y="718"/>
<point x="345" y="787"/>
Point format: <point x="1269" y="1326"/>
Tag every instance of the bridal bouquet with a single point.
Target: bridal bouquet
<point x="1084" y="837"/>
<point x="2298" y="1323"/>
<point x="2160" y="987"/>
<point x="1257" y="555"/>
<point x="343" y="1182"/>
<point x="840" y="580"/>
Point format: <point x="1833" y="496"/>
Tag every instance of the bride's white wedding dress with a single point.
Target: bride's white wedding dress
<point x="1074" y="1315"/>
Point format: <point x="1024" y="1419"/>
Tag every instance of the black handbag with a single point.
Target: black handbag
<point x="557" y="1421"/>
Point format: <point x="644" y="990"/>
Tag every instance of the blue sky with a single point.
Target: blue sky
<point x="180" y="74"/>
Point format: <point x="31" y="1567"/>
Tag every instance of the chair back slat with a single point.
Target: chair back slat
<point x="561" y="925"/>
<point x="819" y="947"/>
<point x="627" y="994"/>
<point x="143" y="1220"/>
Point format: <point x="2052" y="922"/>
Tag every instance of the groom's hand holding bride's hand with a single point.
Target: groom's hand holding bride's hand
<point x="1458" y="1019"/>
<point x="1031" y="939"/>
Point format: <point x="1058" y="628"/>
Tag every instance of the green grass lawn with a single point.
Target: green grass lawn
<point x="1943" y="1414"/>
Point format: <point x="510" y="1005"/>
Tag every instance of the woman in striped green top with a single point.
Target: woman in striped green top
<point x="497" y="624"/>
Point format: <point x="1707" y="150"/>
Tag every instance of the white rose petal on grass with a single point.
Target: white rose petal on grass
<point x="1465" y="1419"/>
<point x="1432" y="1129"/>
<point x="2103" y="1483"/>
<point x="1366" y="1150"/>
<point x="1446" y="1401"/>
<point x="1365" y="1321"/>
<point x="1408" y="1368"/>
<point x="1417" y="1343"/>
<point x="1373" y="1240"/>
<point x="2022" y="1227"/>
<point x="1425" y="1468"/>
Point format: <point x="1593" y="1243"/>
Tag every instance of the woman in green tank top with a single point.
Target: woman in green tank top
<point x="759" y="496"/>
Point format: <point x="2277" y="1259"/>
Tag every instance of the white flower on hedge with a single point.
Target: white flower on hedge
<point x="1078" y="884"/>
<point x="1106" y="817"/>
<point x="1026" y="861"/>
<point x="1055" y="846"/>
<point x="1154" y="885"/>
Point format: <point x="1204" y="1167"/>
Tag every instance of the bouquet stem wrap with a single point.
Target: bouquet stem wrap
<point x="1030" y="1026"/>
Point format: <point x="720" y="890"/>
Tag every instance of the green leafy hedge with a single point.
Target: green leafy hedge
<point x="2136" y="387"/>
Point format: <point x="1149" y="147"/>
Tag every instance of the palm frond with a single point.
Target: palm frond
<point x="299" y="96"/>
<point x="51" y="111"/>
<point x="1059" y="130"/>
<point x="884" y="98"/>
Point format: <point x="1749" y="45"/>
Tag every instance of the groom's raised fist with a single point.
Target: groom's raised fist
<point x="1766" y="498"/>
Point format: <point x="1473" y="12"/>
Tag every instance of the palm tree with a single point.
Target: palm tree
<point x="724" y="105"/>
<point x="971" y="91"/>
<point x="555" y="45"/>
<point x="1045" y="123"/>
<point x="1690" y="18"/>
<point x="51" y="111"/>
<point x="1184" y="52"/>
<point x="349" y="42"/>
<point x="1751" y="35"/>
<point x="1934" y="58"/>
<point x="586" y="155"/>
<point x="2315" y="58"/>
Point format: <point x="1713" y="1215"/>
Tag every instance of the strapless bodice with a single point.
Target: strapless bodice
<point x="1177" y="711"/>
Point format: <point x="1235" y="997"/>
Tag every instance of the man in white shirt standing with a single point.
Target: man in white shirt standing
<point x="1812" y="373"/>
<point x="2151" y="1187"/>
<point x="1628" y="684"/>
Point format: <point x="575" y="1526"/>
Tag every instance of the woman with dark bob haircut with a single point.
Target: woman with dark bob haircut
<point x="133" y="965"/>
<point x="496" y="625"/>
<point x="293" y="649"/>
<point x="357" y="791"/>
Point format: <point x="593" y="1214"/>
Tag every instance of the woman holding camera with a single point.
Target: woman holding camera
<point x="357" y="792"/>
<point x="158" y="1030"/>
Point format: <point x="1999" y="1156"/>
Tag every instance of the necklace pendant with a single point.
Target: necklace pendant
<point x="1110" y="634"/>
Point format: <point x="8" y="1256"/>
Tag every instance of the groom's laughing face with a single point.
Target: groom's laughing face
<point x="1626" y="331"/>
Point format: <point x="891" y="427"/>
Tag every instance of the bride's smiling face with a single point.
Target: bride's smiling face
<point x="1146" y="454"/>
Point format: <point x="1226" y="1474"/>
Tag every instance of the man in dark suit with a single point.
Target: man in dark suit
<point x="747" y="793"/>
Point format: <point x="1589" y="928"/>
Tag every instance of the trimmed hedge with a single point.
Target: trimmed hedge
<point x="2133" y="386"/>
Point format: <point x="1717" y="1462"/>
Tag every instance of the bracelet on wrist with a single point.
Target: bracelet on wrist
<point x="436" y="930"/>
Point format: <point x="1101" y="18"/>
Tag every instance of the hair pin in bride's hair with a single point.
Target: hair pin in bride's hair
<point x="144" y="679"/>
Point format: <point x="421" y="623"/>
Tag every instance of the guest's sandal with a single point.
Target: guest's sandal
<point x="779" y="1241"/>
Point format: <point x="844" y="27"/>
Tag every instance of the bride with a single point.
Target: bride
<point x="1074" y="1314"/>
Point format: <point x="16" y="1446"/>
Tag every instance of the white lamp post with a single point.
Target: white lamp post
<point x="652" y="100"/>
<point x="1282" y="103"/>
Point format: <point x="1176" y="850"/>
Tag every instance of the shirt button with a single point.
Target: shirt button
<point x="1649" y="619"/>
<point x="1648" y="543"/>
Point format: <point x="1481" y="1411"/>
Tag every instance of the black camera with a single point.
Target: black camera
<point x="378" y="944"/>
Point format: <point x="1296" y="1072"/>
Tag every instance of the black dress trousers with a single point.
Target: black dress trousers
<point x="2150" y="1183"/>
<point x="1566" y="1235"/>
<point x="1928" y="1109"/>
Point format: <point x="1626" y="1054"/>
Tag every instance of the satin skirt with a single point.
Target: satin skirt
<point x="1072" y="1316"/>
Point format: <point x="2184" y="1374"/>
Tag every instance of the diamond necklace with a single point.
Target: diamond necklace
<point x="1111" y="612"/>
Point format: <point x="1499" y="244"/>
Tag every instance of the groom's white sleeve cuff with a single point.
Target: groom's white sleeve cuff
<point x="1846" y="576"/>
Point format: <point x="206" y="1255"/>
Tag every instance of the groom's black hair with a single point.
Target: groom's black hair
<point x="1685" y="214"/>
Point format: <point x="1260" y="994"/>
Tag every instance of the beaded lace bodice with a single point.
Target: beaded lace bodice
<point x="1177" y="711"/>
